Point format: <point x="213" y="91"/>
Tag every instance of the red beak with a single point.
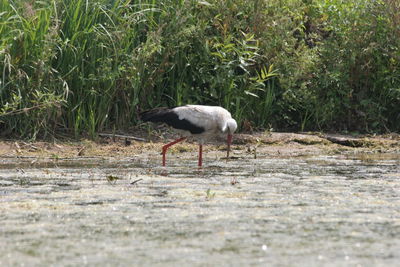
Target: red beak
<point x="229" y="142"/>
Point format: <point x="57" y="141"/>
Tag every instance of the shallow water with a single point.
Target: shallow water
<point x="309" y="211"/>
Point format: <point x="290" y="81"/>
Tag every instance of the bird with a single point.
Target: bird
<point x="199" y="121"/>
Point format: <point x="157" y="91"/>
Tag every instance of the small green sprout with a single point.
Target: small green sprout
<point x="209" y="195"/>
<point x="112" y="179"/>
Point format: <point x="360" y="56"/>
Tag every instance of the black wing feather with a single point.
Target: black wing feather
<point x="169" y="117"/>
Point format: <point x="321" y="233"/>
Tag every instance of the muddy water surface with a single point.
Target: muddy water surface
<point x="310" y="211"/>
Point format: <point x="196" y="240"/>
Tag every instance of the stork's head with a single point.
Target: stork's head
<point x="229" y="128"/>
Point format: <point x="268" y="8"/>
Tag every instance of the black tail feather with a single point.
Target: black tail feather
<point x="155" y="115"/>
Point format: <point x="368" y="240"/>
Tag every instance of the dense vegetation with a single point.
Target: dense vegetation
<point x="81" y="66"/>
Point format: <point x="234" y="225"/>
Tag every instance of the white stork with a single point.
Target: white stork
<point x="201" y="122"/>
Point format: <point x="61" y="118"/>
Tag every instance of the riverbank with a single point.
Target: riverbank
<point x="271" y="144"/>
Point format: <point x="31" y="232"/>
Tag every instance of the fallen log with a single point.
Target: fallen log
<point x="346" y="141"/>
<point x="122" y="136"/>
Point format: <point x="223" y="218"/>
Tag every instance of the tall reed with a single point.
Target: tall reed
<point x="81" y="67"/>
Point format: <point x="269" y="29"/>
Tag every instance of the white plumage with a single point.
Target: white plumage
<point x="213" y="119"/>
<point x="202" y="122"/>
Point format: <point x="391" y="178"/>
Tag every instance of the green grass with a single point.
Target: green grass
<point x="80" y="67"/>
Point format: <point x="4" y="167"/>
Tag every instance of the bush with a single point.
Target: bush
<point x="86" y="66"/>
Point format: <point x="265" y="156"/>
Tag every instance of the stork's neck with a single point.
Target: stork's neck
<point x="230" y="126"/>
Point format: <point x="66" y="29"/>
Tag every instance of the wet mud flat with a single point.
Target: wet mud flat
<point x="258" y="209"/>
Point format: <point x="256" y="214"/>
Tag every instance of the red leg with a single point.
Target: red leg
<point x="165" y="148"/>
<point x="200" y="155"/>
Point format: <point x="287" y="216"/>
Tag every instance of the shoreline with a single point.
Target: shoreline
<point x="270" y="144"/>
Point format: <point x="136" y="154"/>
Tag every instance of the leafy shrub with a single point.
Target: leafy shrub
<point x="85" y="66"/>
